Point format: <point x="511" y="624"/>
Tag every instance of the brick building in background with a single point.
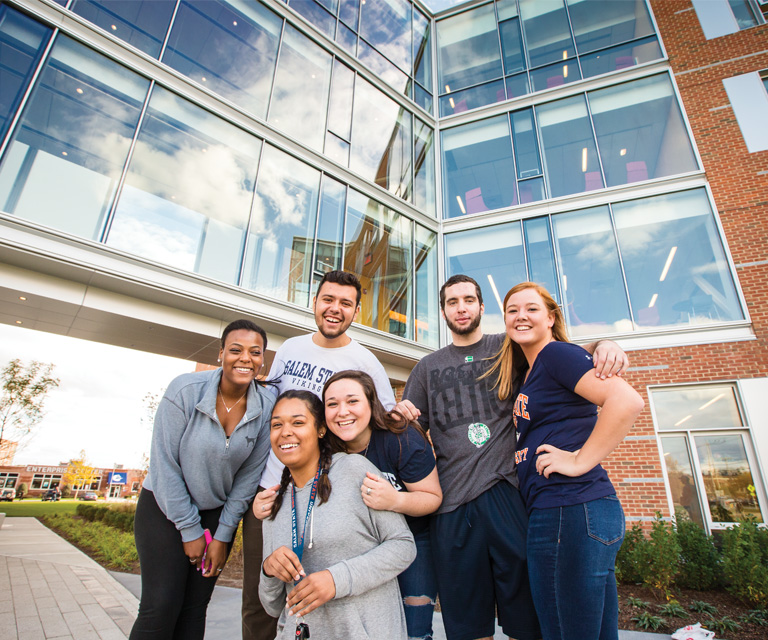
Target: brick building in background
<point x="708" y="403"/>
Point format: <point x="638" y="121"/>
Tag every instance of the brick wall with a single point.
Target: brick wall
<point x="739" y="183"/>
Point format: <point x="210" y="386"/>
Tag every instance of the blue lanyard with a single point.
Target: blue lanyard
<point x="298" y="545"/>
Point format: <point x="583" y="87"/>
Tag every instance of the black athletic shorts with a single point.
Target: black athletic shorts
<point x="479" y="551"/>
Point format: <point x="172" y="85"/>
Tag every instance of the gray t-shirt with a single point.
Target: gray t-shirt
<point x="471" y="429"/>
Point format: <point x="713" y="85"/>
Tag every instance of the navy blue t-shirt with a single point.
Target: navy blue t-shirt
<point x="407" y="457"/>
<point x="548" y="411"/>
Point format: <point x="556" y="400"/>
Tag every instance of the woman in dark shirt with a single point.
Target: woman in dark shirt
<point x="576" y="524"/>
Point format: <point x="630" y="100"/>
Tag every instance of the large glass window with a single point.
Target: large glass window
<point x="598" y="24"/>
<point x="422" y="52"/>
<point x="468" y="49"/>
<point x="495" y="258"/>
<point x="228" y="47"/>
<point x="140" y="23"/>
<point x="478" y="169"/>
<point x="386" y="25"/>
<point x="378" y="250"/>
<point x="279" y="258"/>
<point x="640" y="131"/>
<point x="21" y="43"/>
<point x="708" y="454"/>
<point x="330" y="227"/>
<point x="570" y="154"/>
<point x="381" y="139"/>
<point x="300" y="95"/>
<point x="424" y="167"/>
<point x="674" y="261"/>
<point x="594" y="298"/>
<point x="64" y="164"/>
<point x="427" y="302"/>
<point x="188" y="191"/>
<point x="547" y="32"/>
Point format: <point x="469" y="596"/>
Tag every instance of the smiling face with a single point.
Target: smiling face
<point x="348" y="413"/>
<point x="241" y="358"/>
<point x="527" y="319"/>
<point x="335" y="309"/>
<point x="463" y="310"/>
<point x="295" y="438"/>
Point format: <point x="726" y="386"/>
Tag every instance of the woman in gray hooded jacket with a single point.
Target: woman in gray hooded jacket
<point x="330" y="558"/>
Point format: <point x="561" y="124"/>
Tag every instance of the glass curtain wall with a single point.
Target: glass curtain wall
<point x="101" y="152"/>
<point x="510" y="48"/>
<point x="654" y="262"/>
<point x="391" y="37"/>
<point x="242" y="51"/>
<point x="627" y="133"/>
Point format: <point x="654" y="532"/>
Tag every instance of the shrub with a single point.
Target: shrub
<point x="631" y="559"/>
<point x="745" y="562"/>
<point x="673" y="608"/>
<point x="21" y="491"/>
<point x="699" y="559"/>
<point x="116" y="516"/>
<point x="646" y="620"/>
<point x="114" y="548"/>
<point x="661" y="564"/>
<point x="703" y="607"/>
<point x="722" y="625"/>
<point x="756" y="617"/>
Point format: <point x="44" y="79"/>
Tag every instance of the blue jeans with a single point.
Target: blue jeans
<point x="418" y="581"/>
<point x="571" y="559"/>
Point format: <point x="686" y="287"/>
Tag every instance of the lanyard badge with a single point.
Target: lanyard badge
<point x="302" y="628"/>
<point x="298" y="545"/>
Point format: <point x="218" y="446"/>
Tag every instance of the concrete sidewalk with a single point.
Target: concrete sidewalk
<point x="51" y="590"/>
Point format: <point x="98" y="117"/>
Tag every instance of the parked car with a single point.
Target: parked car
<point x="90" y="496"/>
<point x="52" y="495"/>
<point x="7" y="495"/>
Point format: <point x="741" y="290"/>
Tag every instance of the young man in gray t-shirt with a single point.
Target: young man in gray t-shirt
<point x="479" y="531"/>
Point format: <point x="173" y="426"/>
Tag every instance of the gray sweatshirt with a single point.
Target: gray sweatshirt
<point x="194" y="467"/>
<point x="365" y="550"/>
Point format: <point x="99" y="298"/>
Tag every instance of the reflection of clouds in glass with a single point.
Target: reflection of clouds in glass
<point x="380" y="143"/>
<point x="300" y="96"/>
<point x="623" y="325"/>
<point x="157" y="229"/>
<point x="214" y="183"/>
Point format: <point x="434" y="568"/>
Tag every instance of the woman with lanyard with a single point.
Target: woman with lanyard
<point x="209" y="445"/>
<point x="337" y="579"/>
<point x="576" y="524"/>
<point x="407" y="481"/>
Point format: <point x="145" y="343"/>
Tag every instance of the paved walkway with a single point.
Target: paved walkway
<point x="50" y="590"/>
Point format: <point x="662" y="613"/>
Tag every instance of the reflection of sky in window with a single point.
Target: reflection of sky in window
<point x="707" y="407"/>
<point x="188" y="190"/>
<point x="721" y="455"/>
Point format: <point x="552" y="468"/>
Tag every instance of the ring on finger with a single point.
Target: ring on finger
<point x="368" y="491"/>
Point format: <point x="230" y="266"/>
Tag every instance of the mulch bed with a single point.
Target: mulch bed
<point x="726" y="605"/>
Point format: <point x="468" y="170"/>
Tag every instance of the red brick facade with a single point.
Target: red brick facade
<point x="739" y="183"/>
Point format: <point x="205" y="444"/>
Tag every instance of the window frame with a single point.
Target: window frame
<point x="744" y="430"/>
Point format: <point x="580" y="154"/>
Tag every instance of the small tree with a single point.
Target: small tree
<point x="24" y="389"/>
<point x="21" y="491"/>
<point x="80" y="475"/>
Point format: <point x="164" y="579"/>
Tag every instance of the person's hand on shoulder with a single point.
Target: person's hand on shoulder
<point x="264" y="501"/>
<point x="378" y="493"/>
<point x="609" y="359"/>
<point x="408" y="410"/>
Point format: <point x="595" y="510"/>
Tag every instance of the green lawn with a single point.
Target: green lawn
<point x="34" y="508"/>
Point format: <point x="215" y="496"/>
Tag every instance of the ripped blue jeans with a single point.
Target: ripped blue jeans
<point x="418" y="582"/>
